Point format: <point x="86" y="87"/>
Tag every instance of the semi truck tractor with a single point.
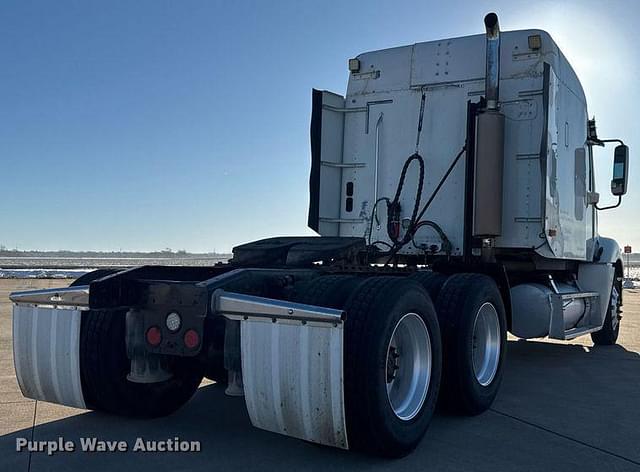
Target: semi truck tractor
<point x="453" y="192"/>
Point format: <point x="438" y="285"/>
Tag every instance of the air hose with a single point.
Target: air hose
<point x="393" y="206"/>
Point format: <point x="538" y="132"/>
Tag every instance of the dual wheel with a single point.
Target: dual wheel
<point x="104" y="366"/>
<point x="474" y="335"/>
<point x="403" y="353"/>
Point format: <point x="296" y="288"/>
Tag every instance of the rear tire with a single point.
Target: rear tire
<point x="214" y="331"/>
<point x="379" y="421"/>
<point x="431" y="281"/>
<point x="331" y="291"/>
<point x="608" y="335"/>
<point x="104" y="366"/>
<point x="473" y="325"/>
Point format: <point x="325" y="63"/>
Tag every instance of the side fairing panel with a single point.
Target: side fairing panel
<point x="566" y="172"/>
<point x="522" y="211"/>
<point x="327" y="128"/>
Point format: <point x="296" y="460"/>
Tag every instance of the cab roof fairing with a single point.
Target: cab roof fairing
<point x="437" y="63"/>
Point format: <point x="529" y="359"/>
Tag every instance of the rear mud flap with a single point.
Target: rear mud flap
<point x="46" y="353"/>
<point x="292" y="366"/>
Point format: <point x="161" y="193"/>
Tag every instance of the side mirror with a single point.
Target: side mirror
<point x="620" y="170"/>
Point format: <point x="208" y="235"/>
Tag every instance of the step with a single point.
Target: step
<point x="588" y="323"/>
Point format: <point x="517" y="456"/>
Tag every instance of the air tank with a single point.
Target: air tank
<point x="532" y="309"/>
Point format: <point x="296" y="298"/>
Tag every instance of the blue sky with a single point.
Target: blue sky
<point x="151" y="124"/>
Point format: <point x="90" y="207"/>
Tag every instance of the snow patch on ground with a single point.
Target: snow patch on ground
<point x="630" y="284"/>
<point x="43" y="273"/>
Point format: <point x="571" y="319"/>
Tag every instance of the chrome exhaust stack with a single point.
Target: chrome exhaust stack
<point x="492" y="73"/>
<point x="489" y="145"/>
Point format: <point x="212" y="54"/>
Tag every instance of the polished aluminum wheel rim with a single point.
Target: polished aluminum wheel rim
<point x="486" y="344"/>
<point x="408" y="366"/>
<point x="615" y="300"/>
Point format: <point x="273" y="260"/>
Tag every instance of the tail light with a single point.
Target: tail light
<point x="191" y="339"/>
<point x="154" y="336"/>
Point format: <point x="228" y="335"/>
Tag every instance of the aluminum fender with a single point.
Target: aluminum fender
<point x="292" y="366"/>
<point x="46" y="353"/>
<point x="611" y="252"/>
<point x="597" y="277"/>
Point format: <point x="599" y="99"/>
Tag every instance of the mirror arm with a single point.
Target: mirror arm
<point x="611" y="141"/>
<point x="610" y="206"/>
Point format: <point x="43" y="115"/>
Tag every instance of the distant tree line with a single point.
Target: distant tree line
<point x="168" y="252"/>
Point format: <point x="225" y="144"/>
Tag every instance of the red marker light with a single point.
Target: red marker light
<point x="191" y="339"/>
<point x="154" y="336"/>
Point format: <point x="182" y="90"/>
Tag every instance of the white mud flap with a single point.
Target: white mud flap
<point x="46" y="350"/>
<point x="291" y="366"/>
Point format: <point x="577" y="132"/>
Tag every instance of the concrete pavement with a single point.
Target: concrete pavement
<point x="562" y="405"/>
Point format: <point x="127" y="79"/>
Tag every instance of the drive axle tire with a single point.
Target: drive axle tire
<point x="608" y="335"/>
<point x="431" y="281"/>
<point x="392" y="364"/>
<point x="104" y="366"/>
<point x="214" y="331"/>
<point x="473" y="325"/>
<point x="331" y="291"/>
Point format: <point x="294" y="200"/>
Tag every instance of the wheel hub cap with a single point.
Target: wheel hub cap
<point x="408" y="366"/>
<point x="486" y="344"/>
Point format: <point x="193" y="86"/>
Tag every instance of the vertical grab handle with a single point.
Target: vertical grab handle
<point x="377" y="158"/>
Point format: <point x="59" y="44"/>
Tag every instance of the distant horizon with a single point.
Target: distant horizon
<point x="154" y="253"/>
